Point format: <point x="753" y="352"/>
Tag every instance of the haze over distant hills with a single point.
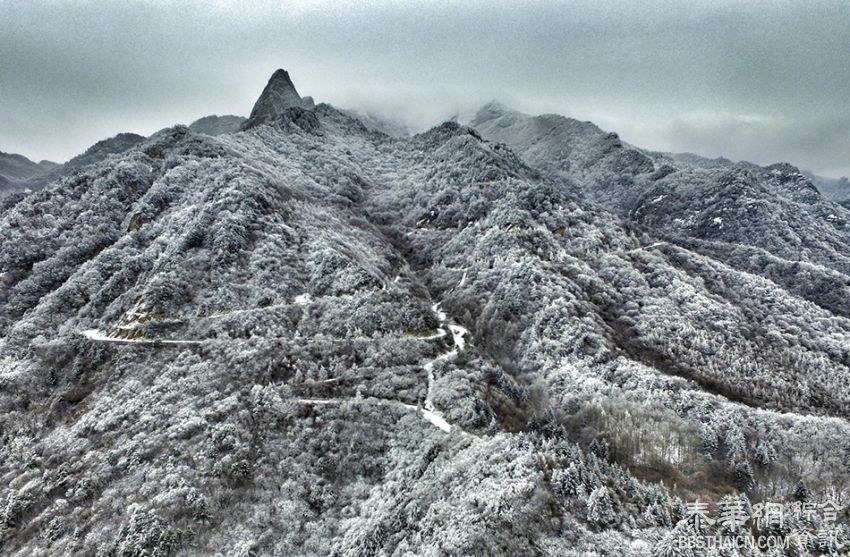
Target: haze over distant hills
<point x="16" y="170"/>
<point x="296" y="334"/>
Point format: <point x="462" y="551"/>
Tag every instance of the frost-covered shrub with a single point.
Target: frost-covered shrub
<point x="144" y="533"/>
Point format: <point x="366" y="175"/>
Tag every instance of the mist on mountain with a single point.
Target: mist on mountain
<point x="298" y="334"/>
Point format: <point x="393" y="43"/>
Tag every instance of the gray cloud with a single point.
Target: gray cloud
<point x="812" y="143"/>
<point x="760" y="80"/>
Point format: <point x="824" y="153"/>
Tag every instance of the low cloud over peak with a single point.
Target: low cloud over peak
<point x="764" y="81"/>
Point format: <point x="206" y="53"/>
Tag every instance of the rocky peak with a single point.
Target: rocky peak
<point x="278" y="96"/>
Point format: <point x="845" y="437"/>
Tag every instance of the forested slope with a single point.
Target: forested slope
<point x="309" y="338"/>
<point x="769" y="221"/>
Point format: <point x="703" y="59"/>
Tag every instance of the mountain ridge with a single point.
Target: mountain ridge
<point x="276" y="367"/>
<point x="16" y="170"/>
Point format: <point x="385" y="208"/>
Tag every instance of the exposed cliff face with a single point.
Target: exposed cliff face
<point x="309" y="338"/>
<point x="278" y="96"/>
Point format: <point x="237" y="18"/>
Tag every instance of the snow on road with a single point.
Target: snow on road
<point x="441" y="315"/>
<point x="129" y="323"/>
<point x="651" y="246"/>
<point x="439" y="334"/>
<point x="430" y="416"/>
<point x="433" y="415"/>
<point x="97" y="335"/>
<point x="429" y="412"/>
<point x="303" y="299"/>
<point x="458" y="333"/>
<point x="437" y="420"/>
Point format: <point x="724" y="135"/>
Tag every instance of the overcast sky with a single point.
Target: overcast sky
<point x="758" y="80"/>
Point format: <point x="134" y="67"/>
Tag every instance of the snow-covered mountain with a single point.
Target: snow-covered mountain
<point x="311" y="338"/>
<point x="19" y="175"/>
<point x="770" y="221"/>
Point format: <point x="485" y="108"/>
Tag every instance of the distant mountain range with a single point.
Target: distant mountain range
<point x="16" y="170"/>
<point x="833" y="189"/>
<point x="17" y="173"/>
<point x="310" y="333"/>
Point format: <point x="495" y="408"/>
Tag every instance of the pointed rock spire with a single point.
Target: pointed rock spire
<point x="278" y="95"/>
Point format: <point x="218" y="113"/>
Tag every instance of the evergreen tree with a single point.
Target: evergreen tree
<point x="600" y="510"/>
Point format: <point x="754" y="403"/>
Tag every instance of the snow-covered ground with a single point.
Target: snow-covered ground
<point x="303" y="299"/>
<point x="458" y="333"/>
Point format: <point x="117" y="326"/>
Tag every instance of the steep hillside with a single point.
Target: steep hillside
<point x="311" y="338"/>
<point x="32" y="177"/>
<point x="769" y="221"/>
<point x="102" y="149"/>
